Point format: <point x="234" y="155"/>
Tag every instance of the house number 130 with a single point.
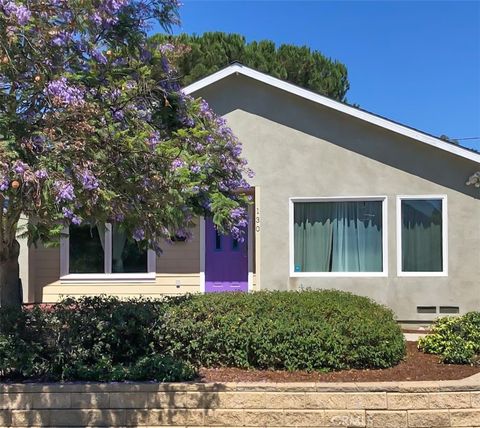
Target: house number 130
<point x="257" y="220"/>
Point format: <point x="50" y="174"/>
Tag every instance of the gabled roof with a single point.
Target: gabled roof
<point x="237" y="68"/>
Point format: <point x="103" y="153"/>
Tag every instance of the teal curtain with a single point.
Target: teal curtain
<point x="338" y="236"/>
<point x="422" y="235"/>
<point x="313" y="231"/>
<point x="357" y="243"/>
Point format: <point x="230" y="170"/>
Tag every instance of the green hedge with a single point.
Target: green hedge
<point x="310" y="330"/>
<point x="455" y="339"/>
<point x="103" y="338"/>
<point x="94" y="338"/>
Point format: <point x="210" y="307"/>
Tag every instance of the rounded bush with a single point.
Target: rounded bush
<point x="455" y="339"/>
<point x="309" y="330"/>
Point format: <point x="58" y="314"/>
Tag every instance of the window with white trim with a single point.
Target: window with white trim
<point x="422" y="235"/>
<point x="338" y="236"/>
<point x="103" y="250"/>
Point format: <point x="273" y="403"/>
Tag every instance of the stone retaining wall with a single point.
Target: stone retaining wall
<point x="382" y="405"/>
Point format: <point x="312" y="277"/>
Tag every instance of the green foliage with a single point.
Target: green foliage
<point x="94" y="129"/>
<point x="312" y="330"/>
<point x="94" y="338"/>
<point x="455" y="339"/>
<point x="105" y="339"/>
<point x="208" y="53"/>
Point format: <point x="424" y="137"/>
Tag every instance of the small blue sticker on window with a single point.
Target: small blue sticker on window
<point x="298" y="268"/>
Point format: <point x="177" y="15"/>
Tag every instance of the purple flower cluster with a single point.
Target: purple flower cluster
<point x="4" y="183"/>
<point x="88" y="180"/>
<point x="195" y="168"/>
<point x="63" y="191"/>
<point x="65" y="94"/>
<point x="153" y="140"/>
<point x="17" y="11"/>
<point x="138" y="234"/>
<point x="68" y="214"/>
<point x="61" y="39"/>
<point x="41" y="174"/>
<point x="98" y="56"/>
<point x="177" y="163"/>
<point x="239" y="216"/>
<point x="20" y="167"/>
<point x="205" y="110"/>
<point x="107" y="11"/>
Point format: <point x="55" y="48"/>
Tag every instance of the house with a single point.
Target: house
<point x="343" y="199"/>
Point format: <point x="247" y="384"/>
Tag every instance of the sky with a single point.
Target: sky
<point x="415" y="62"/>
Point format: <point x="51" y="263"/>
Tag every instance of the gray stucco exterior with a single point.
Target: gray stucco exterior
<point x="298" y="148"/>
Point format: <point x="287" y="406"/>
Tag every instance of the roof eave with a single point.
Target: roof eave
<point x="335" y="105"/>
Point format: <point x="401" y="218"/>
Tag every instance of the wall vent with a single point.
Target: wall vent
<point x="426" y="309"/>
<point x="449" y="310"/>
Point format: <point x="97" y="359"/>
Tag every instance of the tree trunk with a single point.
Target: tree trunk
<point x="10" y="291"/>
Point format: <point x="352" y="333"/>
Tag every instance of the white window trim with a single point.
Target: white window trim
<point x="382" y="199"/>
<point x="65" y="263"/>
<point x="400" y="272"/>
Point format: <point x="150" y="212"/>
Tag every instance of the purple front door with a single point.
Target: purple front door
<point x="226" y="261"/>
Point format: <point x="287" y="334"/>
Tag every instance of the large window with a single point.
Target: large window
<point x="421" y="231"/>
<point x="338" y="237"/>
<point x="103" y="250"/>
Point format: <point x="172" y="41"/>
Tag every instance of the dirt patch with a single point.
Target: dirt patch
<point x="416" y="366"/>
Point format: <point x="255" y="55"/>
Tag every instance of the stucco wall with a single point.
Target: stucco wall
<point x="369" y="405"/>
<point x="300" y="149"/>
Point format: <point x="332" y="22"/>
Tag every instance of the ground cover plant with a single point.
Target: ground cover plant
<point x="106" y="339"/>
<point x="455" y="339"/>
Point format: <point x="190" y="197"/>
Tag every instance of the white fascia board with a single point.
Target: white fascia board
<point x="335" y="105"/>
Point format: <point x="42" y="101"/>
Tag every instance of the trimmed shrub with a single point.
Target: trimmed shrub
<point x="309" y="330"/>
<point x="106" y="339"/>
<point x="455" y="339"/>
<point x="93" y="338"/>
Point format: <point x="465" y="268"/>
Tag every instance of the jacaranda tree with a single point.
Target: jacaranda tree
<point x="94" y="128"/>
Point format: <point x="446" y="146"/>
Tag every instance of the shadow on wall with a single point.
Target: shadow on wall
<point x="109" y="404"/>
<point x="243" y="93"/>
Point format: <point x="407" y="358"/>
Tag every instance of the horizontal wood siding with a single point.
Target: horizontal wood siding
<point x="44" y="269"/>
<point x="177" y="269"/>
<point x="164" y="284"/>
<point x="181" y="257"/>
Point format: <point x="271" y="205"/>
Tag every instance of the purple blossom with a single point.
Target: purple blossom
<point x="20" y="167"/>
<point x="61" y="39"/>
<point x="64" y="94"/>
<point x="239" y="216"/>
<point x="64" y="191"/>
<point x="177" y="163"/>
<point x="4" y="183"/>
<point x="68" y="214"/>
<point x="88" y="180"/>
<point x="195" y="168"/>
<point x="37" y="142"/>
<point x="118" y="115"/>
<point x="41" y="174"/>
<point x="138" y="235"/>
<point x="153" y="139"/>
<point x="238" y="234"/>
<point x="187" y="121"/>
<point x="166" y="47"/>
<point x="205" y="110"/>
<point x="119" y="217"/>
<point x="99" y="56"/>
<point x="21" y="13"/>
